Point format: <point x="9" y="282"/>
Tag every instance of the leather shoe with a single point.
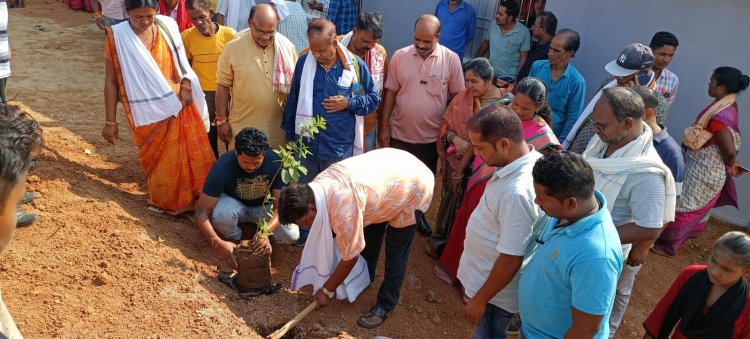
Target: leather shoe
<point x="423" y="227"/>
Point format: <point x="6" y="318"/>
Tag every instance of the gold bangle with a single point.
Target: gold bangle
<point x="110" y="123"/>
<point x="97" y="15"/>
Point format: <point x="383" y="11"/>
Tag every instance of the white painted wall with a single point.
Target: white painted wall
<point x="711" y="34"/>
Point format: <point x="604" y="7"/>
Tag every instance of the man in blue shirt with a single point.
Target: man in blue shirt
<point x="568" y="285"/>
<point x="458" y="24"/>
<point x="566" y="87"/>
<point x="333" y="98"/>
<point x="343" y="14"/>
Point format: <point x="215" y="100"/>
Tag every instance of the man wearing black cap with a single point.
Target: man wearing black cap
<point x="631" y="68"/>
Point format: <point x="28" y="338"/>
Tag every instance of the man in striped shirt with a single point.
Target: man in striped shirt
<point x="664" y="45"/>
<point x="343" y="14"/>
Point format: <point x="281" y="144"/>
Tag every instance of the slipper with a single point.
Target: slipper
<point x="24" y="219"/>
<point x="29" y="197"/>
<point x="661" y="252"/>
<point x="377" y="312"/>
<point x="266" y="290"/>
<point x="441" y="274"/>
<point x="155" y="209"/>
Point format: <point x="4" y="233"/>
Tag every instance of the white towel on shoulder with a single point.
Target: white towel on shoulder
<point x="321" y="255"/>
<point x="305" y="98"/>
<point x="150" y="97"/>
<point x="639" y="156"/>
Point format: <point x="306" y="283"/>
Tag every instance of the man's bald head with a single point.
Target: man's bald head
<point x="426" y="35"/>
<point x="429" y="23"/>
<point x="263" y="21"/>
<point x="263" y="13"/>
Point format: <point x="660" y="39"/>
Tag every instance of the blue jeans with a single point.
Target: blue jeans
<point x="494" y="323"/>
<point x="230" y="212"/>
<point x="397" y="247"/>
<point x="371" y="139"/>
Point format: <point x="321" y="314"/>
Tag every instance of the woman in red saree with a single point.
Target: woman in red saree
<point x="168" y="128"/>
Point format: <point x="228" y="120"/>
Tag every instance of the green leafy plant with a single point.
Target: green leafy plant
<point x="291" y="155"/>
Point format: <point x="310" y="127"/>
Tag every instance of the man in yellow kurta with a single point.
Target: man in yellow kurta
<point x="255" y="71"/>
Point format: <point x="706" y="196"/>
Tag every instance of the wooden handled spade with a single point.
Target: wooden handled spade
<point x="288" y="326"/>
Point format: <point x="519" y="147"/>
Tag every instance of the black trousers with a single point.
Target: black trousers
<point x="3" y="83"/>
<point x="427" y="153"/>
<point x="213" y="133"/>
<point x="397" y="247"/>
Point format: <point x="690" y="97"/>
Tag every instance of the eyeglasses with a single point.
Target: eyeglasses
<point x="260" y="32"/>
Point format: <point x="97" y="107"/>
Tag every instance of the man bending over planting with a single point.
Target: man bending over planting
<point x="362" y="200"/>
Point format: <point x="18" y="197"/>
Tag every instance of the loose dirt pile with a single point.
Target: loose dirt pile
<point x="98" y="264"/>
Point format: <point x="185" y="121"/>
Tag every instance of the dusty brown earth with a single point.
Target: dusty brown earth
<point x="98" y="264"/>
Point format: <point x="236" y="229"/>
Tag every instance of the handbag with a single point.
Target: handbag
<point x="696" y="135"/>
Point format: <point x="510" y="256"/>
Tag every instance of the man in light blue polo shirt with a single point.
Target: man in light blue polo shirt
<point x="567" y="286"/>
<point x="458" y="24"/>
<point x="566" y="87"/>
<point x="508" y="42"/>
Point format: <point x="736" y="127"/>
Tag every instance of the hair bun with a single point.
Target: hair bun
<point x="743" y="82"/>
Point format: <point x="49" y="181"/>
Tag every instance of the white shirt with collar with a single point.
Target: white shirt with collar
<point x="502" y="222"/>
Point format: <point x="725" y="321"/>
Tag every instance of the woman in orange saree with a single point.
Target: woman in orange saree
<point x="168" y="129"/>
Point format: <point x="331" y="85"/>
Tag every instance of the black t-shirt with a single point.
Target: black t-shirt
<point x="228" y="177"/>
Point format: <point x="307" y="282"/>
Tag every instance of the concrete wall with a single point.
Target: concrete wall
<point x="711" y="34"/>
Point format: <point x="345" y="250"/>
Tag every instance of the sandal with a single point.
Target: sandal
<point x="247" y="293"/>
<point x="24" y="219"/>
<point x="376" y="312"/>
<point x="29" y="197"/>
<point x="656" y="249"/>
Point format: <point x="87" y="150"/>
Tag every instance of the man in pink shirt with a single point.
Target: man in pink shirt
<point x="421" y="77"/>
<point x="364" y="198"/>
